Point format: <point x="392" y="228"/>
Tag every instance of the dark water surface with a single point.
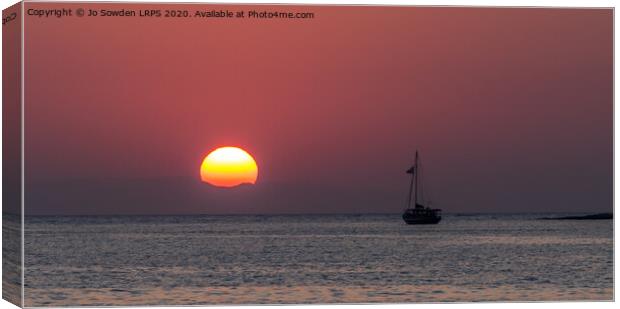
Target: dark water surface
<point x="115" y="260"/>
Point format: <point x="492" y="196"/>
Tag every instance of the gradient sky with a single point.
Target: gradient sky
<point x="11" y="111"/>
<point x="510" y="108"/>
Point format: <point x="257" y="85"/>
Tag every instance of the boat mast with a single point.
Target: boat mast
<point x="416" y="172"/>
<point x="411" y="187"/>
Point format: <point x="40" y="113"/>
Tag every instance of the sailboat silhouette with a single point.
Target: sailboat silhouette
<point x="418" y="214"/>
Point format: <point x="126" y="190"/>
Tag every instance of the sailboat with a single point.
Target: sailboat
<point x="418" y="214"/>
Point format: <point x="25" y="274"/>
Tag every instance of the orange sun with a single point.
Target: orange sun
<point x="228" y="167"/>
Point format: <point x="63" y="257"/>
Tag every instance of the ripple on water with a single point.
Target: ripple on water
<point x="334" y="258"/>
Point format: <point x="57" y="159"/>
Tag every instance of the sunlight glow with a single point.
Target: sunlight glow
<point x="229" y="167"/>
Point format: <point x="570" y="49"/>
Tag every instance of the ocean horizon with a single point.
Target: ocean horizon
<point x="444" y="213"/>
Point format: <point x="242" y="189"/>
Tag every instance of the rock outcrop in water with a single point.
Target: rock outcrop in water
<point x="601" y="216"/>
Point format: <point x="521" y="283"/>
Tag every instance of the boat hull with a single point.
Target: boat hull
<point x="422" y="215"/>
<point x="421" y="220"/>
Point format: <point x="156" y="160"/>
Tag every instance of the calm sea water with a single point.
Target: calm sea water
<point x="116" y="260"/>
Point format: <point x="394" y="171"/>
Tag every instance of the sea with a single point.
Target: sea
<point x="314" y="259"/>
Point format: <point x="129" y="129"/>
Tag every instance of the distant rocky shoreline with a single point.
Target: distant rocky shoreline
<point x="601" y="216"/>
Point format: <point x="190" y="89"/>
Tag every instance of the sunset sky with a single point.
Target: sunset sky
<point x="511" y="110"/>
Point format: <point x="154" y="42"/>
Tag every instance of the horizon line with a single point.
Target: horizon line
<point x="298" y="214"/>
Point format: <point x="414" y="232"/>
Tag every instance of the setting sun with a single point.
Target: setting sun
<point x="229" y="167"/>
